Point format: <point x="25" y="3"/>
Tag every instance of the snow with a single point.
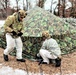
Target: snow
<point x="2" y="23"/>
<point x="68" y="5"/>
<point x="47" y="4"/>
<point x="52" y="5"/>
<point x="6" y="70"/>
<point x="20" y="4"/>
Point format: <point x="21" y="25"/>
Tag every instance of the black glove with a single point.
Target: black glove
<point x="14" y="33"/>
<point x="20" y="34"/>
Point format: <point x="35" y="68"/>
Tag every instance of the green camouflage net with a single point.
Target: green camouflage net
<point x="39" y="20"/>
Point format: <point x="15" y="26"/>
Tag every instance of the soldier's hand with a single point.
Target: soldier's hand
<point x="14" y="33"/>
<point x="20" y="34"/>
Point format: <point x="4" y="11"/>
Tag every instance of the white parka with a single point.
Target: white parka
<point x="52" y="46"/>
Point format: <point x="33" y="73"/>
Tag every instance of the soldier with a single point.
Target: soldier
<point x="50" y="50"/>
<point x="14" y="29"/>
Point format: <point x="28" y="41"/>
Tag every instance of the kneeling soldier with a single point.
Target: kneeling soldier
<point x="50" y="50"/>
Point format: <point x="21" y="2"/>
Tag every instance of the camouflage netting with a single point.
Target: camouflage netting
<point x="70" y="20"/>
<point x="39" y="20"/>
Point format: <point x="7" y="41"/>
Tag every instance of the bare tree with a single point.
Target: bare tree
<point x="17" y="2"/>
<point x="4" y="5"/>
<point x="41" y="3"/>
<point x="24" y="5"/>
<point x="51" y="6"/>
<point x="58" y="7"/>
<point x="63" y="8"/>
<point x="73" y="11"/>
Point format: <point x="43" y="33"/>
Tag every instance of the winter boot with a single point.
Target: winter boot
<point x="21" y="60"/>
<point x="5" y="57"/>
<point x="51" y="61"/>
<point x="57" y="62"/>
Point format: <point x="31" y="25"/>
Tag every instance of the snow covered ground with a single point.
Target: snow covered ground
<point x="2" y="23"/>
<point x="6" y="70"/>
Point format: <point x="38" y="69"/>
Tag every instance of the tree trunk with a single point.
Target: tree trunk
<point x="41" y="3"/>
<point x="63" y="8"/>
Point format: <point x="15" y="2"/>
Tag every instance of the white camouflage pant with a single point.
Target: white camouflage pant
<point x="45" y="54"/>
<point x="11" y="43"/>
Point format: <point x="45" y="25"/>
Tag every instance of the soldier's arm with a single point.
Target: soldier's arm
<point x="8" y="23"/>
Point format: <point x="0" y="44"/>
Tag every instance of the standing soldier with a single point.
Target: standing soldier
<point x="50" y="50"/>
<point x="14" y="29"/>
